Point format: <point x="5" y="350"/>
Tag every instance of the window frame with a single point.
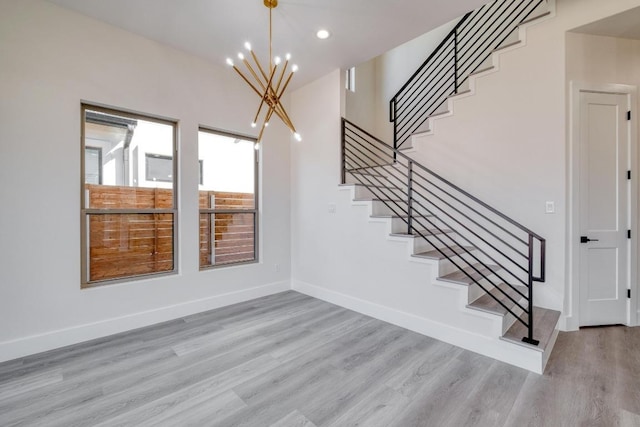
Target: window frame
<point x="256" y="198"/>
<point x="85" y="212"/>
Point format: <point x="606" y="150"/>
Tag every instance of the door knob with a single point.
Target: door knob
<point x="585" y="239"/>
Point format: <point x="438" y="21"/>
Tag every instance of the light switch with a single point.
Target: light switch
<point x="550" y="207"/>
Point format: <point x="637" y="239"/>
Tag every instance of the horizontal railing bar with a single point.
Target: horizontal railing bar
<point x="427" y="92"/>
<point x="478" y="15"/>
<point x="424" y="76"/>
<point x="451" y="34"/>
<point x="469" y="264"/>
<point x="424" y="116"/>
<point x="470" y="230"/>
<point x="490" y="20"/>
<point x="455" y="187"/>
<point x="401" y="182"/>
<point x="420" y="220"/>
<point x="524" y="242"/>
<point x="463" y="70"/>
<point x="471" y="243"/>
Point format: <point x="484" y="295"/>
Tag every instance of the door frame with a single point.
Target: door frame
<point x="572" y="292"/>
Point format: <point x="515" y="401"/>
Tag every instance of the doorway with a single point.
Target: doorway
<point x="604" y="206"/>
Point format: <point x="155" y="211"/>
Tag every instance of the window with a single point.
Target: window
<point x="158" y="167"/>
<point x="228" y="199"/>
<point x="93" y="165"/>
<point x="128" y="196"/>
<point x="351" y="79"/>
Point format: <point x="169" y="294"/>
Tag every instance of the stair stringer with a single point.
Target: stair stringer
<point x="491" y="66"/>
<point x="469" y="328"/>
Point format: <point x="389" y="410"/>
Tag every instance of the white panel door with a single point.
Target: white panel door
<point x="604" y="208"/>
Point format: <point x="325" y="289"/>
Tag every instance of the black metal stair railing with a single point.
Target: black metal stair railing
<point x="469" y="44"/>
<point x="501" y="256"/>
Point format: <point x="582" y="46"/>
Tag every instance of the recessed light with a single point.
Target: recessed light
<point x="323" y="34"/>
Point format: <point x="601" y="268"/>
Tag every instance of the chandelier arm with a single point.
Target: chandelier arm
<point x="255" y="59"/>
<point x="255" y="89"/>
<point x="284" y="88"/>
<point x="253" y="73"/>
<point x="282" y="113"/>
<point x="266" y="94"/>
<point x="284" y="69"/>
<point x="255" y="120"/>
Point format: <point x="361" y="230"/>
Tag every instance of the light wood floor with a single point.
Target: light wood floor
<point x="291" y="360"/>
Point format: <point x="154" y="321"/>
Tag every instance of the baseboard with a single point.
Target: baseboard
<point x="34" y="344"/>
<point x="495" y="348"/>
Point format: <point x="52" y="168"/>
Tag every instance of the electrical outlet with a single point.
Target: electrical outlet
<point x="549" y="207"/>
<point x="276" y="267"/>
<point x="332" y="208"/>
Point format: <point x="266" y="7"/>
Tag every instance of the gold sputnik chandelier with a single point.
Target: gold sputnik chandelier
<point x="267" y="82"/>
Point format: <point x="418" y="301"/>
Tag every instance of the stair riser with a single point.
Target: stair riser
<point x="447" y="266"/>
<point x="391" y="208"/>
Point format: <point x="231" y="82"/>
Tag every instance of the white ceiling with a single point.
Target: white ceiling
<point x="624" y="25"/>
<point x="215" y="29"/>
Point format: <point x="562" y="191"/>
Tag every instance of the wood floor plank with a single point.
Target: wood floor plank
<point x="208" y="392"/>
<point x="378" y="409"/>
<point x="29" y="383"/>
<point x="293" y="419"/>
<point x="292" y="360"/>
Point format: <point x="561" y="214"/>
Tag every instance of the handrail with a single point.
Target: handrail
<point x="465" y="48"/>
<point x="480" y="241"/>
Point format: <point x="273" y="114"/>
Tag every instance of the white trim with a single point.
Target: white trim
<point x="22" y="347"/>
<point x="498" y="349"/>
<point x="572" y="317"/>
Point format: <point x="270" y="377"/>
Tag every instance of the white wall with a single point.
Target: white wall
<point x="51" y="59"/>
<point x="599" y="59"/>
<point x="380" y="78"/>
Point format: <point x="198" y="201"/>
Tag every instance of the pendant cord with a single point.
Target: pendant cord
<point x="270" y="42"/>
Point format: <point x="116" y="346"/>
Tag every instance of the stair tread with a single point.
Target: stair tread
<point x="507" y="45"/>
<point x="370" y="185"/>
<point x="399" y="216"/>
<point x="376" y="199"/>
<point x="544" y="325"/>
<point x="462" y="92"/>
<point x="487" y="303"/>
<point x="446" y="252"/>
<point x="482" y="70"/>
<point x="533" y="18"/>
<point x="430" y="232"/>
<point x="441" y="113"/>
<point x="363" y="172"/>
<point x="462" y="278"/>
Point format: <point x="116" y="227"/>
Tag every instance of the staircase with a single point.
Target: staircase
<point x="475" y="248"/>
<point x="470" y="50"/>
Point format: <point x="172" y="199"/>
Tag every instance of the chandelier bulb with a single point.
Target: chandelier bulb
<point x="256" y="146"/>
<point x="288" y="56"/>
<point x="240" y="56"/>
<point x="247" y="46"/>
<point x="277" y="60"/>
<point x="266" y="124"/>
<point x="297" y="136"/>
<point x="294" y="68"/>
<point x="230" y="62"/>
<point x="253" y="124"/>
